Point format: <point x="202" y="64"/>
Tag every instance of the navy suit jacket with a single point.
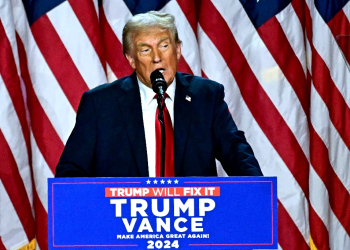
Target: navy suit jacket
<point x="108" y="139"/>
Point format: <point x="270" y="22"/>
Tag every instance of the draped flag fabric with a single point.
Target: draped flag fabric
<point x="284" y="65"/>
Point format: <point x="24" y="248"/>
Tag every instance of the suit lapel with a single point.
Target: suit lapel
<point x="130" y="107"/>
<point x="182" y="118"/>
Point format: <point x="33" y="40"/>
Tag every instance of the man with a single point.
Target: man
<point x="115" y="136"/>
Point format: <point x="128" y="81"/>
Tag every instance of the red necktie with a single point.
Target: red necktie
<point x="169" y="143"/>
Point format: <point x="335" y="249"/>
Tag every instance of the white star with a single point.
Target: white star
<point x="176" y="181"/>
<point x="162" y="181"/>
<point x="169" y="181"/>
<point x="148" y="181"/>
<point x="155" y="181"/>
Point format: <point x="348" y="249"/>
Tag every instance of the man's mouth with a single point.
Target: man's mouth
<point x="161" y="70"/>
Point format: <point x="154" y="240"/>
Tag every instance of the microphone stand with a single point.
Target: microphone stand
<point x="160" y="100"/>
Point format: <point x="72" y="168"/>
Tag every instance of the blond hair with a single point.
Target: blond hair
<point x="141" y="22"/>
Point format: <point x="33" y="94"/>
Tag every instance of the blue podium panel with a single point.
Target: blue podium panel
<point x="163" y="213"/>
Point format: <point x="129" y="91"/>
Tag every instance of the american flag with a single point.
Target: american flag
<point x="284" y="65"/>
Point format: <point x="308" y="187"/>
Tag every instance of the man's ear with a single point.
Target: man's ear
<point x="131" y="60"/>
<point x="178" y="51"/>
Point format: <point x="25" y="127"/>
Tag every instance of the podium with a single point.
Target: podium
<point x="163" y="213"/>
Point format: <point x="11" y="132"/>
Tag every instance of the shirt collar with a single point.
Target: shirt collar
<point x="147" y="93"/>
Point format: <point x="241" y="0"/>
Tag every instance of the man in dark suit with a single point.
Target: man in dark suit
<point x="114" y="132"/>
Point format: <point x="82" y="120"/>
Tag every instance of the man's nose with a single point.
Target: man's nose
<point x="157" y="56"/>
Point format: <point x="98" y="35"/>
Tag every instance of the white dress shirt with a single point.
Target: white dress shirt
<point x="149" y="108"/>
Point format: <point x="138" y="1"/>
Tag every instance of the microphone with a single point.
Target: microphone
<point x="159" y="85"/>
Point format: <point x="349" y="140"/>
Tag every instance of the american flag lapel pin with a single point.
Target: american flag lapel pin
<point x="188" y="98"/>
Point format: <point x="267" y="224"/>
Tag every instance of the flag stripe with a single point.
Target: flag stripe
<point x="319" y="233"/>
<point x="14" y="187"/>
<point x="117" y="13"/>
<point x="340" y="202"/>
<point x="332" y="55"/>
<point x="11" y="80"/>
<point x="289" y="236"/>
<point x="274" y="165"/>
<point x="293" y="29"/>
<point x="111" y="77"/>
<point x="87" y="15"/>
<point x="40" y="213"/>
<point x="189" y="49"/>
<point x="335" y="229"/>
<point x="346" y="10"/>
<point x="114" y="51"/>
<point x="14" y="123"/>
<point x="12" y="233"/>
<point x="276" y="41"/>
<point x="48" y="141"/>
<point x="189" y="10"/>
<point x="218" y="70"/>
<point x="339" y="112"/>
<point x="59" y="60"/>
<point x="267" y="73"/>
<point x="11" y="129"/>
<point x="2" y="247"/>
<point x="50" y="94"/>
<point x="277" y="127"/>
<point x="60" y="18"/>
<point x="326" y="89"/>
<point x="41" y="173"/>
<point x="321" y="237"/>
<point x="7" y="20"/>
<point x="183" y="66"/>
<point x="340" y="26"/>
<point x="41" y="223"/>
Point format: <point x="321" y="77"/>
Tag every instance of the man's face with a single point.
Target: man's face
<point x="154" y="49"/>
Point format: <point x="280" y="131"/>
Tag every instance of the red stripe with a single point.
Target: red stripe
<point x="59" y="60"/>
<point x="324" y="85"/>
<point x="304" y="17"/>
<point x="86" y="13"/>
<point x="276" y="41"/>
<point x="183" y="66"/>
<point x="13" y="183"/>
<point x="11" y="79"/>
<point x="47" y="140"/>
<point x="257" y="101"/>
<point x="339" y="111"/>
<point x="339" y="24"/>
<point x="204" y="75"/>
<point x="318" y="231"/>
<point x="269" y="120"/>
<point x="340" y="28"/>
<point x="2" y="247"/>
<point x="289" y="236"/>
<point x="41" y="223"/>
<point x="298" y="6"/>
<point x="114" y="50"/>
<point x="189" y="10"/>
<point x="338" y="194"/>
<point x="49" y="143"/>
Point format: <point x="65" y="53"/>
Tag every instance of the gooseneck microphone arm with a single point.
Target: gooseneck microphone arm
<point x="159" y="86"/>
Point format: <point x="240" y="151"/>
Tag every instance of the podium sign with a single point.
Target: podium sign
<point x="163" y="213"/>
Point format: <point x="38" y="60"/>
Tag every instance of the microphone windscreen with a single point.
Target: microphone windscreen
<point x="157" y="80"/>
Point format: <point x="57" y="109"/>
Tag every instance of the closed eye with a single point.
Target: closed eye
<point x="164" y="46"/>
